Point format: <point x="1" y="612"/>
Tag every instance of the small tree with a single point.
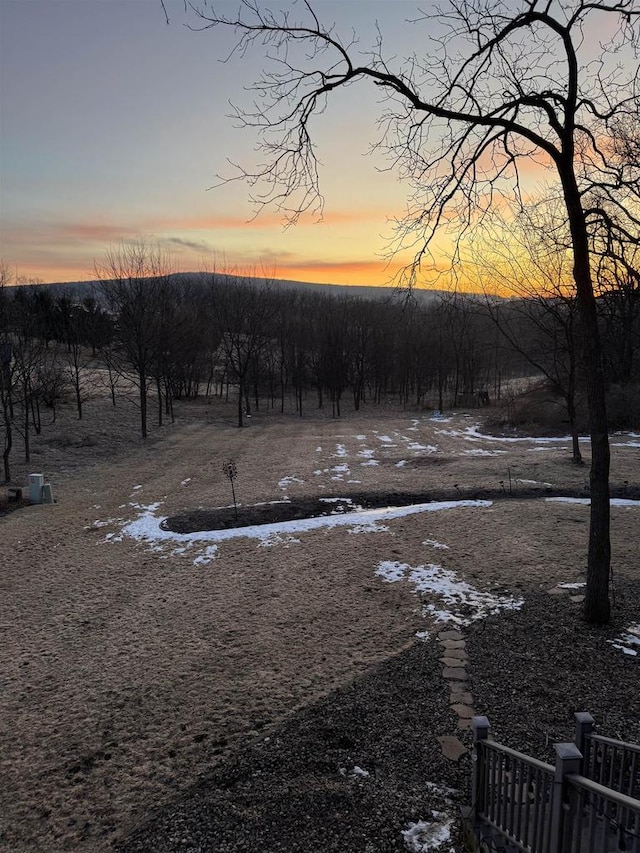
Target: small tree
<point x="231" y="472"/>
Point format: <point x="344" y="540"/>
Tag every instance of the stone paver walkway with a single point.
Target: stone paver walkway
<point x="454" y="670"/>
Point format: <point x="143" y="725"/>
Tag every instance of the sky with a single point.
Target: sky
<point x="115" y="126"/>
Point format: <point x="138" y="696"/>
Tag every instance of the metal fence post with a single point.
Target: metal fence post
<point x="568" y="760"/>
<point x="480" y="728"/>
<point x="585" y="725"/>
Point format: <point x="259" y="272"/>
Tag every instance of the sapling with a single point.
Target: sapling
<point x="230" y="471"/>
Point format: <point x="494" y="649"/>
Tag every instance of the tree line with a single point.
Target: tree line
<point x="163" y="338"/>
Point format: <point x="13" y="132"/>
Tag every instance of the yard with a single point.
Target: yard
<point x="279" y="686"/>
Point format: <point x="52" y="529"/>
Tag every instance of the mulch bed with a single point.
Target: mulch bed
<point x="224" y="518"/>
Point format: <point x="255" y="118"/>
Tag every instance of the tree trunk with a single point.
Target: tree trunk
<point x="240" y="404"/>
<point x="597" y="608"/>
<point x="143" y="404"/>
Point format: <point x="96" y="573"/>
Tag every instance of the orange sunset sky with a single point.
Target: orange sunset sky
<point x="115" y="125"/>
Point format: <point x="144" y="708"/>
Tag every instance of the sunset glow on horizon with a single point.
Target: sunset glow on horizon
<point x="116" y="125"/>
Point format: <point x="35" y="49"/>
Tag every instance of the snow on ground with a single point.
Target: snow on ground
<point x="587" y="501"/>
<point x="339" y="471"/>
<point x="458" y="603"/>
<point x="435" y="544"/>
<point x="472" y="433"/>
<point x="285" y="482"/>
<point x="628" y="643"/>
<point x="427" y="836"/>
<point x="147" y="527"/>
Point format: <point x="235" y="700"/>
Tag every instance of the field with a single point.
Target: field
<point x="281" y="688"/>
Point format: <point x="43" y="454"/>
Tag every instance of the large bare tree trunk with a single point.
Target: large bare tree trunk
<point x="597" y="607"/>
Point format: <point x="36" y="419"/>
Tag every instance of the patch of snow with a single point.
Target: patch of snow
<point x="359" y="771"/>
<point x="97" y="524"/>
<point x="401" y="463"/>
<point x="571" y="585"/>
<point x="184" y="482"/>
<point x="147" y="526"/>
<point x="318" y="450"/>
<point x="285" y="482"/>
<point x="626" y="444"/>
<point x="440" y="789"/>
<point x="277" y="539"/>
<point x="627" y="641"/>
<point x="339" y="471"/>
<point x="341" y="450"/>
<point x="465" y="603"/>
<point x="366" y="454"/>
<point x="360" y="437"/>
<point x="479" y="452"/>
<point x="472" y="433"/>
<point x="206" y="556"/>
<point x="587" y="501"/>
<point x="371" y="463"/>
<point x="369" y="528"/>
<point x="428" y="448"/>
<point x="427" y="836"/>
<point x="422" y="635"/>
<point x="435" y="544"/>
<point x="135" y="488"/>
<point x="385" y="438"/>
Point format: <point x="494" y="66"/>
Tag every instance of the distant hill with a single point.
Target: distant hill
<point x="82" y="288"/>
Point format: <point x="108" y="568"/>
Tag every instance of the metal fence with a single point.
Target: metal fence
<point x="613" y="763"/>
<point x="587" y="803"/>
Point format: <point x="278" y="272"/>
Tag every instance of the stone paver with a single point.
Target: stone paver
<point x="456" y="673"/>
<point x="452" y="747"/>
<point x="453" y="660"/>
<point x="465" y="712"/>
<point x="461" y="697"/>
<point x="459" y="654"/>
<point x="447" y="661"/>
<point x="453" y="644"/>
<point x="450" y="635"/>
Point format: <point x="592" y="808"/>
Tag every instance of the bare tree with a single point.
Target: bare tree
<point x="503" y="82"/>
<point x="242" y="312"/>
<point x="134" y="278"/>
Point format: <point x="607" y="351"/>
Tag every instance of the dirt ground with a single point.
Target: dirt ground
<point x="131" y="668"/>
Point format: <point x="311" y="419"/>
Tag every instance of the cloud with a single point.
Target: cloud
<point x="194" y="245"/>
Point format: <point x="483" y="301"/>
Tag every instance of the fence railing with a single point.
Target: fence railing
<point x="598" y="819"/>
<point x="583" y="804"/>
<point x="613" y="763"/>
